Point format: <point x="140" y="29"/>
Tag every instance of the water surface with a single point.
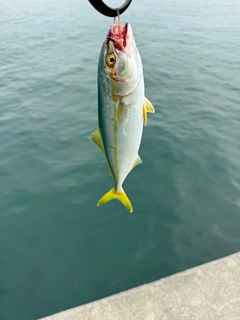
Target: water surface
<point x="57" y="249"/>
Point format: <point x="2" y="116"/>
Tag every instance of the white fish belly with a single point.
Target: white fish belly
<point x="121" y="125"/>
<point x="129" y="139"/>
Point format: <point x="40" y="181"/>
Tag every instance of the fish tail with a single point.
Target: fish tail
<point x="113" y="194"/>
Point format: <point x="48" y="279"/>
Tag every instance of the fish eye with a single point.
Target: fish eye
<point x="111" y="59"/>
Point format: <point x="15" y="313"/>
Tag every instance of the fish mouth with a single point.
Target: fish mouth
<point x="120" y="35"/>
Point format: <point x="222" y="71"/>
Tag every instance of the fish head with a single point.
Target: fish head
<point x="121" y="66"/>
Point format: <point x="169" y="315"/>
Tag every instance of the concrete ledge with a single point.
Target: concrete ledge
<point x="208" y="292"/>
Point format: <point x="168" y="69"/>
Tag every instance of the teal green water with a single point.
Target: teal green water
<point x="57" y="249"/>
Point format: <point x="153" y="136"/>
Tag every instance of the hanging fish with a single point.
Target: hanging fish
<point x="122" y="108"/>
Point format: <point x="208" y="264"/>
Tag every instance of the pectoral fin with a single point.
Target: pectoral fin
<point x="97" y="139"/>
<point x="147" y="107"/>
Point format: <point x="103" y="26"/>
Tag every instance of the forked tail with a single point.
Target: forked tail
<point x="121" y="196"/>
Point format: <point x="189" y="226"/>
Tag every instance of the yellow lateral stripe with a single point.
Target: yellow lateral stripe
<point x="115" y="127"/>
<point x="115" y="140"/>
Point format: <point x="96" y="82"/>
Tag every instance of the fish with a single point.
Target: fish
<point x="122" y="108"/>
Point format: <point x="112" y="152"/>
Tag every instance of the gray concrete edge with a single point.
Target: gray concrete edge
<point x="207" y="292"/>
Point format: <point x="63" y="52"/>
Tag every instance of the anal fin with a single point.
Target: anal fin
<point x="136" y="162"/>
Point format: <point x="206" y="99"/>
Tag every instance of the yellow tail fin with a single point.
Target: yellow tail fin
<point x="112" y="194"/>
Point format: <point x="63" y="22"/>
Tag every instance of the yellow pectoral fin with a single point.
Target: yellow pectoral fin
<point x="97" y="139"/>
<point x="144" y="116"/>
<point x="147" y="107"/>
<point x="112" y="194"/>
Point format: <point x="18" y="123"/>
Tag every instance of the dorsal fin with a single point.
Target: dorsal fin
<point x="97" y="139"/>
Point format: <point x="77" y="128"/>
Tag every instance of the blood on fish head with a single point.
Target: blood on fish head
<point x="122" y="37"/>
<point x="122" y="66"/>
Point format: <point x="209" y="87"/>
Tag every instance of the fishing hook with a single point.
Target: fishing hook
<point x="101" y="7"/>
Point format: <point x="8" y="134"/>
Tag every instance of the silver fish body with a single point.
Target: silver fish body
<point x="122" y="108"/>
